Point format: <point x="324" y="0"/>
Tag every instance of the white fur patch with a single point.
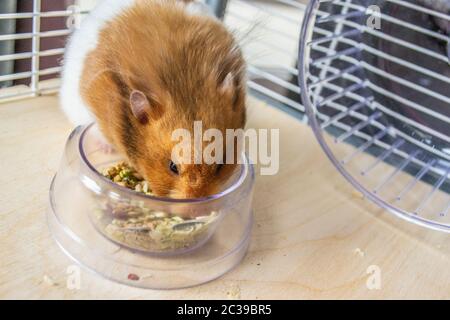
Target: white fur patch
<point x="83" y="41"/>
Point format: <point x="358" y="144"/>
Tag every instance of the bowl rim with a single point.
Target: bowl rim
<point x="247" y="170"/>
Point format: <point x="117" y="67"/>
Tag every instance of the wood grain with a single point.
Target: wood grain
<point x="314" y="237"/>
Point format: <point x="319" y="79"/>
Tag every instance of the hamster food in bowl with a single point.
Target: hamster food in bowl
<point x="103" y="215"/>
<point x="140" y="227"/>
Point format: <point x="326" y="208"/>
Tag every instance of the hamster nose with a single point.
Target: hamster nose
<point x="189" y="192"/>
<point x="188" y="211"/>
<point x="193" y="193"/>
<point x="194" y="179"/>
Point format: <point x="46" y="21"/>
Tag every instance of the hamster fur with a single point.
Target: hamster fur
<point x="88" y="95"/>
<point x="83" y="41"/>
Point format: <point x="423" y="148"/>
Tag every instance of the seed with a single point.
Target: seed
<point x="160" y="214"/>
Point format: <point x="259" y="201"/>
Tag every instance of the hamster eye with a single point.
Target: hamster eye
<point x="173" y="167"/>
<point x="219" y="167"/>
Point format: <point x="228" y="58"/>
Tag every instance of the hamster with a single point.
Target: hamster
<point x="142" y="69"/>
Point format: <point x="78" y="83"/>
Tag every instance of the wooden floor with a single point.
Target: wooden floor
<point x="314" y="237"/>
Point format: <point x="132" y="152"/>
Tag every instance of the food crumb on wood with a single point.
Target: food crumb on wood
<point x="234" y="293"/>
<point x="49" y="281"/>
<point x="357" y="194"/>
<point x="359" y="252"/>
<point x="133" y="277"/>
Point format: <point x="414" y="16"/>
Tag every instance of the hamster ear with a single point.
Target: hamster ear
<point x="144" y="108"/>
<point x="227" y="86"/>
<point x="233" y="90"/>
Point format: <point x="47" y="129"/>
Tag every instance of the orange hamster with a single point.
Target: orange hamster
<point x="142" y="69"/>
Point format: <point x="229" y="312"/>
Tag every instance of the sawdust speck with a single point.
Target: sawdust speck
<point x="234" y="293"/>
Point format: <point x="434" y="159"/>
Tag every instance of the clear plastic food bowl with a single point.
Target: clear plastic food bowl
<point x="85" y="206"/>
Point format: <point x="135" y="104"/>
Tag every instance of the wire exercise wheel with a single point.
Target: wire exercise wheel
<point x="385" y="90"/>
